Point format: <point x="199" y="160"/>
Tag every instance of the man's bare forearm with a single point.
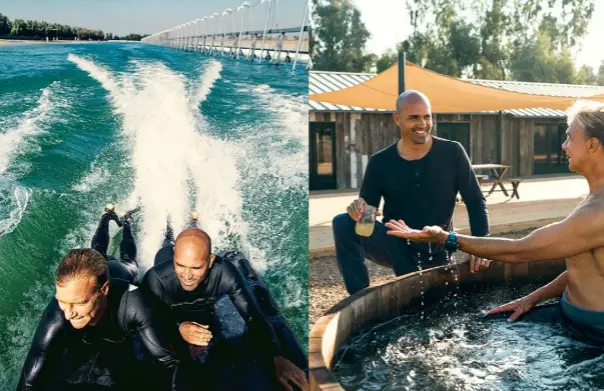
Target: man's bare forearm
<point x="497" y="249"/>
<point x="552" y="290"/>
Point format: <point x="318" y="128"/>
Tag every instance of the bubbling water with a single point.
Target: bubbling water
<point x="457" y="348"/>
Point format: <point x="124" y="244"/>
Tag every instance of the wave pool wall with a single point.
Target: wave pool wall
<point x="388" y="300"/>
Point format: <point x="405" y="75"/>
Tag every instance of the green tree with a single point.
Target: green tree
<point x="386" y="60"/>
<point x="527" y="40"/>
<point x="5" y="25"/>
<point x="600" y="77"/>
<point x="586" y="75"/>
<point x="17" y="27"/>
<point x="339" y="37"/>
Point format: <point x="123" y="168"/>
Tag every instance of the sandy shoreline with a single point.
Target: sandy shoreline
<point x="11" y="42"/>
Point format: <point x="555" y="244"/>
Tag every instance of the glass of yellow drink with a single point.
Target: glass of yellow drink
<point x="365" y="225"/>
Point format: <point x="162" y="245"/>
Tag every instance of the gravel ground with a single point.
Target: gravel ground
<point x="327" y="287"/>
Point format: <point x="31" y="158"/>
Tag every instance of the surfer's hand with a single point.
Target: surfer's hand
<point x="432" y="234"/>
<point x="195" y="333"/>
<point x="516" y="307"/>
<point x="290" y="376"/>
<point x="357" y="208"/>
<point x="477" y="263"/>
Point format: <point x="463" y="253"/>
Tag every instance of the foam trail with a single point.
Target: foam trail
<point x="20" y="198"/>
<point x="14" y="141"/>
<point x="169" y="142"/>
<point x="95" y="177"/>
<point x="101" y="75"/>
<point x="288" y="149"/>
<point x="209" y="75"/>
<point x="160" y="134"/>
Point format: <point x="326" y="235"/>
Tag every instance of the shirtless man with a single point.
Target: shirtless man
<point x="579" y="238"/>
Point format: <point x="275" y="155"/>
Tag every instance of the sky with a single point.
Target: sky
<point x="389" y="24"/>
<point x="122" y="17"/>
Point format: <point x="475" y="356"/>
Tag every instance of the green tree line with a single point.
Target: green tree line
<point x="529" y="40"/>
<point x="32" y="29"/>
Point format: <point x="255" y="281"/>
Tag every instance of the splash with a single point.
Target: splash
<point x="14" y="202"/>
<point x="17" y="140"/>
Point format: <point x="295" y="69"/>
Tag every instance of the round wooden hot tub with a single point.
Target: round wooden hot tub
<point x="386" y="301"/>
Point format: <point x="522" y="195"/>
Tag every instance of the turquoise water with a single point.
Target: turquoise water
<point x="82" y="125"/>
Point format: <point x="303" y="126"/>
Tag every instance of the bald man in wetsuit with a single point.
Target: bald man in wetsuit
<point x="86" y="337"/>
<point x="579" y="239"/>
<point x="189" y="284"/>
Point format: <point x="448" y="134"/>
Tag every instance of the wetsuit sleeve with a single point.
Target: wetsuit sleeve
<point x="260" y="330"/>
<point x="43" y="356"/>
<point x="151" y="286"/>
<point x="137" y="316"/>
<point x="370" y="189"/>
<point x="468" y="187"/>
<point x="154" y="292"/>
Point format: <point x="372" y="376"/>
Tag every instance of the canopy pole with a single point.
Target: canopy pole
<point x="402" y="61"/>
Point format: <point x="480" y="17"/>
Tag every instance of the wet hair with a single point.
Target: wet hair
<point x="83" y="262"/>
<point x="590" y="117"/>
<point x="198" y="233"/>
<point x="400" y="101"/>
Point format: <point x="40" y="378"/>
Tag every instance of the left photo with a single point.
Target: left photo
<point x="154" y="196"/>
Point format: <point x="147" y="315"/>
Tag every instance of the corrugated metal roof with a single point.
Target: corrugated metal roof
<point x="320" y="81"/>
<point x="549" y="89"/>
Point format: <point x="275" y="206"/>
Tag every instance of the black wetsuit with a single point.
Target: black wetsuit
<point x="223" y="280"/>
<point x="61" y="355"/>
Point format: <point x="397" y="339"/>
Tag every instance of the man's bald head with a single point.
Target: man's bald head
<point x="411" y="97"/>
<point x="196" y="237"/>
<point x="192" y="257"/>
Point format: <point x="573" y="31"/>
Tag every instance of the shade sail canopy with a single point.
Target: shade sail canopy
<point x="446" y="94"/>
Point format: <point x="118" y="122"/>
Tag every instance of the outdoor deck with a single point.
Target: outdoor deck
<point x="542" y="201"/>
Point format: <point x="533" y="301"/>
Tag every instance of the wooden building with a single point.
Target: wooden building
<point x="342" y="138"/>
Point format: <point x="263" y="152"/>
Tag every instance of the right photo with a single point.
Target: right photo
<point x="456" y="195"/>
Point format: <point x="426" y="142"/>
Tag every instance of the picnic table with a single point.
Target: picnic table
<point x="497" y="172"/>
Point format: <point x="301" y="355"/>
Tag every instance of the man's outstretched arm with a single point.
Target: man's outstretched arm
<point x="578" y="233"/>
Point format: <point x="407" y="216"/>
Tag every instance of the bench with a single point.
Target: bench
<point x="515" y="182"/>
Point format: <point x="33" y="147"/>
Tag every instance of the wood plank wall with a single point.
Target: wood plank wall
<point x="359" y="135"/>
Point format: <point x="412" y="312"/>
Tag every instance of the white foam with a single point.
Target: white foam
<point x="290" y="126"/>
<point x="171" y="148"/>
<point x="101" y="75"/>
<point x="15" y="141"/>
<point x="95" y="177"/>
<point x="20" y="197"/>
<point x="209" y="75"/>
<point x="166" y="148"/>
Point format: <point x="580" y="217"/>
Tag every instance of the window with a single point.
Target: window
<point x="549" y="158"/>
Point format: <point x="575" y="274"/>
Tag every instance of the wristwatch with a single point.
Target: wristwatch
<point x="451" y="243"/>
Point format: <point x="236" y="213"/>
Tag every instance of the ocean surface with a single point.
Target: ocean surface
<point x="84" y="125"/>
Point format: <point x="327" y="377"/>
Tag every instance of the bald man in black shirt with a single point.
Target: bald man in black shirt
<point x="419" y="178"/>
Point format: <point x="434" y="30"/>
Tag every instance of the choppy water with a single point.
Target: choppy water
<point x="81" y="125"/>
<point x="457" y="348"/>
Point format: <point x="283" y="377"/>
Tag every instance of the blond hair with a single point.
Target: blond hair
<point x="589" y="115"/>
